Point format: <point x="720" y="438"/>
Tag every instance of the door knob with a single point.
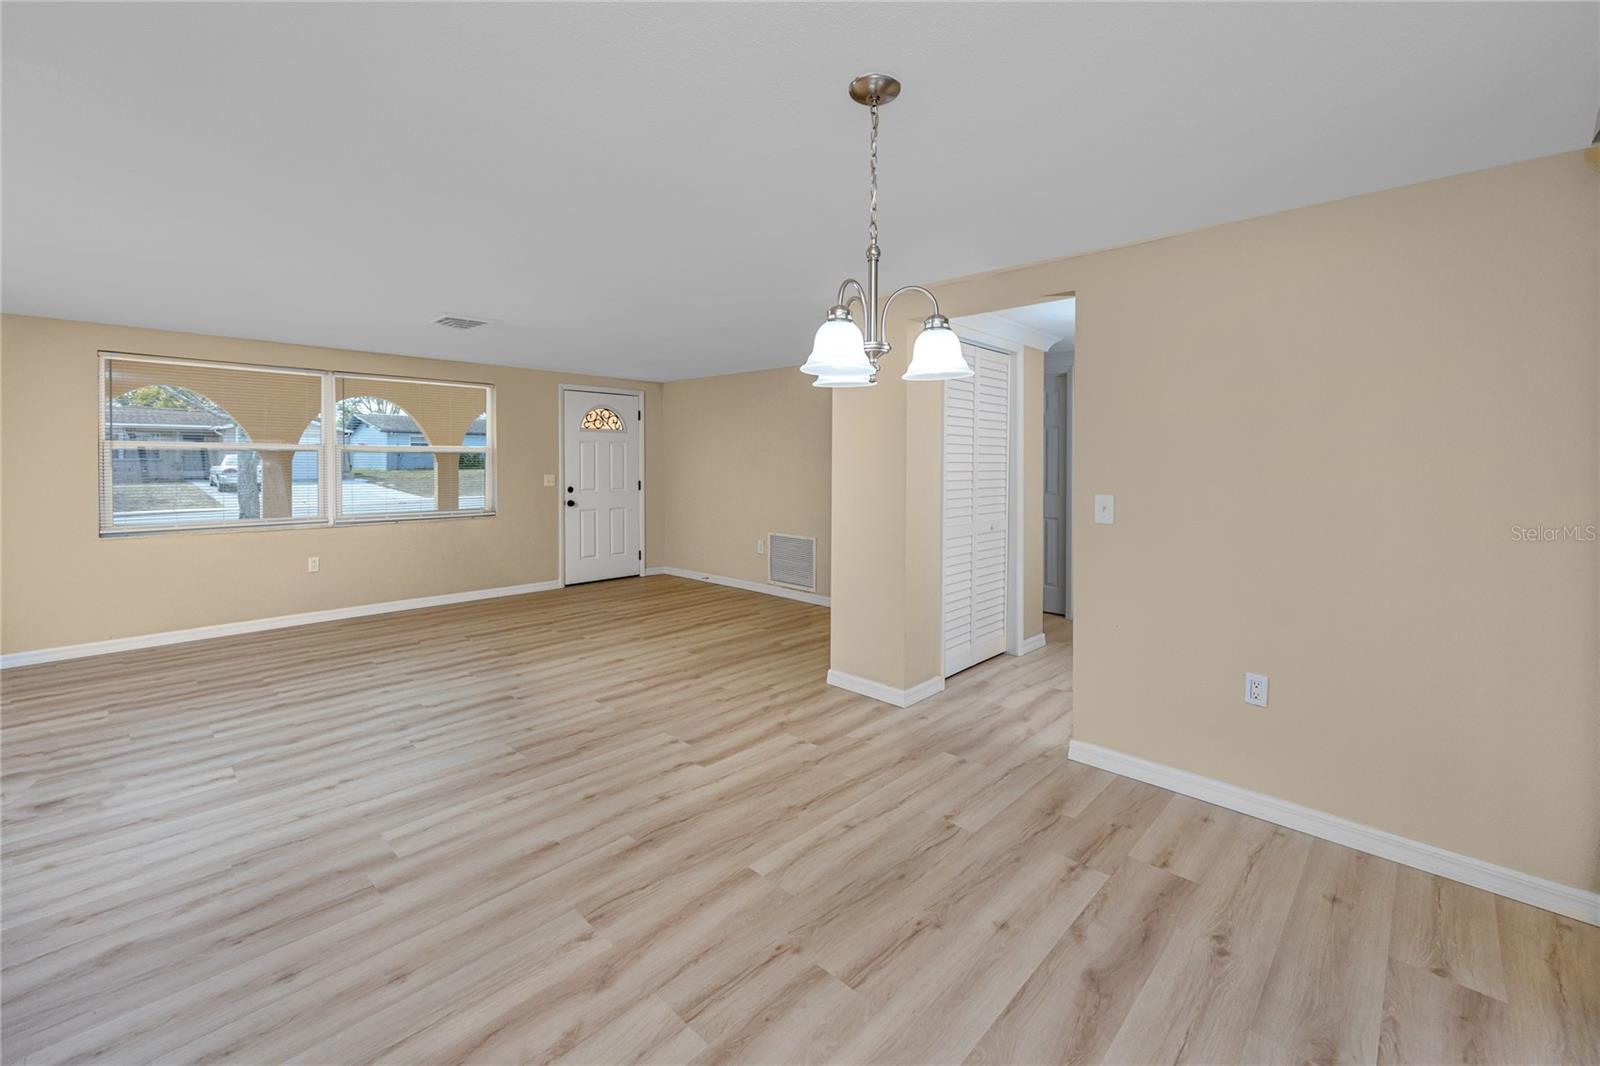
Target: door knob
<point x="572" y="503"/>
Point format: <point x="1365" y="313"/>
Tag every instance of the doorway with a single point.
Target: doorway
<point x="1047" y="329"/>
<point x="196" y="463"/>
<point x="1057" y="491"/>
<point x="602" y="529"/>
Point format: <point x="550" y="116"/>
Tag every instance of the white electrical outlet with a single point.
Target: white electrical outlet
<point x="313" y="564"/>
<point x="549" y="481"/>
<point x="1255" y="689"/>
<point x="1105" y="510"/>
<point x="761" y="546"/>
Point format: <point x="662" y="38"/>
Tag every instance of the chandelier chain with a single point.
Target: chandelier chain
<point x="872" y="213"/>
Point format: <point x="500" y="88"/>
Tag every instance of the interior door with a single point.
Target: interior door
<point x="602" y="489"/>
<point x="976" y="510"/>
<point x="1055" y="494"/>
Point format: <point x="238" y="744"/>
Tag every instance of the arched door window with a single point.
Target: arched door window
<point x="604" y="419"/>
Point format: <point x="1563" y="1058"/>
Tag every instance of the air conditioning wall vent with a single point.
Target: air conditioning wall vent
<point x="461" y="321"/>
<point x="792" y="561"/>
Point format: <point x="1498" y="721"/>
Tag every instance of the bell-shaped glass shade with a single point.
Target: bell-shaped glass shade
<point x="839" y="347"/>
<point x="851" y="379"/>
<point x="936" y="356"/>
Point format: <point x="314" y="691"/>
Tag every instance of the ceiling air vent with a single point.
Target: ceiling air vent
<point x="460" y="322"/>
<point x="792" y="561"/>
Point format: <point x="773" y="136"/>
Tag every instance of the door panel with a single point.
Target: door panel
<point x="619" y="530"/>
<point x="586" y="466"/>
<point x="601" y="491"/>
<point x="588" y="541"/>
<point x="618" y="466"/>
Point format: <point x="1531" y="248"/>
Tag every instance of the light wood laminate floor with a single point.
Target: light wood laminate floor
<point x="629" y="822"/>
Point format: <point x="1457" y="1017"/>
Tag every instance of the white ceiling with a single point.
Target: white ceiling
<point x="667" y="191"/>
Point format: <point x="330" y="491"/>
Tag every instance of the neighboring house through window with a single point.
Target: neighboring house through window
<point x="205" y="445"/>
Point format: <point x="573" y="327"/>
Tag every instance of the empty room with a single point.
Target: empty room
<point x="917" y="533"/>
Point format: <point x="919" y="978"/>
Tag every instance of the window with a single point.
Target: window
<point x="413" y="447"/>
<point x="204" y="445"/>
<point x="603" y="418"/>
<point x="190" y="444"/>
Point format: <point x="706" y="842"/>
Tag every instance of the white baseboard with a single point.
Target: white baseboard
<point x="256" y="625"/>
<point x="741" y="583"/>
<point x="897" y="697"/>
<point x="1513" y="884"/>
<point x="1031" y="644"/>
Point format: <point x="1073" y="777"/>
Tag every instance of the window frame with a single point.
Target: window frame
<point x="330" y="452"/>
<point x="339" y="449"/>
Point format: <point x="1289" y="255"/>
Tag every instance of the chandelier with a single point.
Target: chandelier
<point x="843" y="356"/>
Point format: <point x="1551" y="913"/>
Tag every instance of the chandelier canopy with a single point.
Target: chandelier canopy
<point x="842" y="355"/>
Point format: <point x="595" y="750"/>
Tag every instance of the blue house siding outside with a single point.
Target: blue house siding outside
<point x="399" y="431"/>
<point x="305" y="463"/>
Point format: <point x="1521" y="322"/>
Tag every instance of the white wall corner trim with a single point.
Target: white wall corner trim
<point x="257" y="625"/>
<point x="877" y="690"/>
<point x="1513" y="884"/>
<point x="740" y="583"/>
<point x="1031" y="644"/>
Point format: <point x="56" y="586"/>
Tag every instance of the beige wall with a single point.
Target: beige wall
<point x="871" y="624"/>
<point x="744" y="455"/>
<point x="62" y="583"/>
<point x="1320" y="428"/>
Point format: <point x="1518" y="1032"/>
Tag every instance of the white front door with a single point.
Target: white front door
<point x="602" y="487"/>
<point x="977" y="507"/>
<point x="1056" y="493"/>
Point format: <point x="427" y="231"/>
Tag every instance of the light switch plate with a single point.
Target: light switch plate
<point x="1105" y="510"/>
<point x="549" y="481"/>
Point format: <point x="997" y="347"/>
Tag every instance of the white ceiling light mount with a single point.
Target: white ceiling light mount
<point x="843" y="355"/>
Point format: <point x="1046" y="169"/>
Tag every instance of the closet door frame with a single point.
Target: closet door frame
<point x="1015" y="534"/>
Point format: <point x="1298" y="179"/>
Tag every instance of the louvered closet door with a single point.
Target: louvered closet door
<point x="977" y="480"/>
